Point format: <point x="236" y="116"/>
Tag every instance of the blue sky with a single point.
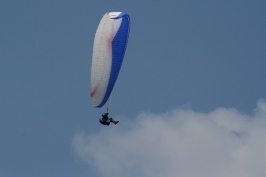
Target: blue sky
<point x="191" y="69"/>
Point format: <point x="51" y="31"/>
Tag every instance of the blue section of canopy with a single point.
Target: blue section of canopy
<point x="119" y="45"/>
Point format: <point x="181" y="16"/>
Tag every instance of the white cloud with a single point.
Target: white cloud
<point x="180" y="143"/>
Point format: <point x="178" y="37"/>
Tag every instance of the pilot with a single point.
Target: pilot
<point x="105" y="120"/>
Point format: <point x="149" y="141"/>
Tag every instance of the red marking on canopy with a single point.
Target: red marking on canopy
<point x="94" y="91"/>
<point x="109" y="41"/>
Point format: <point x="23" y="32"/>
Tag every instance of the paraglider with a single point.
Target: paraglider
<point x="105" y="120"/>
<point x="108" y="53"/>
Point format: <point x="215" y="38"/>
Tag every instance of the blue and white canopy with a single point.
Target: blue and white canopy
<point x="108" y="52"/>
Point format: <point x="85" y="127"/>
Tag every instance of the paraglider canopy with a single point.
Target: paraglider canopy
<point x="108" y="52"/>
